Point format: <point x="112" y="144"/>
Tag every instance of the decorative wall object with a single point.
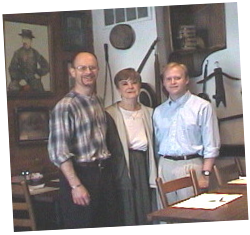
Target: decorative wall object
<point x="122" y="36"/>
<point x="220" y="95"/>
<point x="147" y="95"/>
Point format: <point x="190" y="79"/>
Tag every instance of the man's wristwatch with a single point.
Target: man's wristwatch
<point x="76" y="186"/>
<point x="206" y="173"/>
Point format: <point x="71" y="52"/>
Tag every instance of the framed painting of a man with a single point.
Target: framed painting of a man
<point x="27" y="58"/>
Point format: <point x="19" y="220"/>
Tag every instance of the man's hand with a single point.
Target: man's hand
<point x="203" y="181"/>
<point x="80" y="196"/>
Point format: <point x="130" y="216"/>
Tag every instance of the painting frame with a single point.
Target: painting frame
<point x="70" y="79"/>
<point x="32" y="124"/>
<point x="39" y="85"/>
<point x="74" y="28"/>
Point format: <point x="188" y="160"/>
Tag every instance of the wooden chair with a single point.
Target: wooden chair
<point x="239" y="166"/>
<point x="223" y="174"/>
<point x="23" y="214"/>
<point x="174" y="185"/>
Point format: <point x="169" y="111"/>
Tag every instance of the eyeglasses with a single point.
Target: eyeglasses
<point x="83" y="68"/>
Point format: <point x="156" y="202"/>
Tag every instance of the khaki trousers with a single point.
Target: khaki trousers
<point x="170" y="170"/>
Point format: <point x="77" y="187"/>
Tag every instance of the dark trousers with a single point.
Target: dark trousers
<point x="101" y="210"/>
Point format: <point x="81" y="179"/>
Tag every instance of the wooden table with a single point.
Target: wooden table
<point x="47" y="208"/>
<point x="46" y="205"/>
<point x="235" y="210"/>
<point x="46" y="196"/>
<point x="47" y="193"/>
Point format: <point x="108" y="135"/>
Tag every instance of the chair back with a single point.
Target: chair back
<point x="239" y="166"/>
<point x="174" y="185"/>
<point x="23" y="214"/>
<point x="223" y="174"/>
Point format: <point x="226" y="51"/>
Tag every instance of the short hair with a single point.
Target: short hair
<point x="125" y="74"/>
<point x="173" y="65"/>
<point x="77" y="53"/>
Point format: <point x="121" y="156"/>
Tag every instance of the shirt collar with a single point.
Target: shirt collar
<point x="93" y="96"/>
<point x="180" y="100"/>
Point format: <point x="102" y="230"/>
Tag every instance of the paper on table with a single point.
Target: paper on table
<point x="35" y="187"/>
<point x="207" y="201"/>
<point x="241" y="180"/>
<point x="42" y="190"/>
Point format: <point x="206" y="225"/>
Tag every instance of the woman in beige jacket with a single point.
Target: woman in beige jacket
<point x="130" y="141"/>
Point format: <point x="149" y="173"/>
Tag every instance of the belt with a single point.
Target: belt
<point x="96" y="163"/>
<point x="183" y="157"/>
<point x="136" y="150"/>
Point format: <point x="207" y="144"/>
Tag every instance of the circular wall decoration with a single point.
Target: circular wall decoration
<point x="147" y="95"/>
<point x="122" y="36"/>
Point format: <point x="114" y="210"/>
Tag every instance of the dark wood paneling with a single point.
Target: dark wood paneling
<point x="34" y="157"/>
<point x="233" y="150"/>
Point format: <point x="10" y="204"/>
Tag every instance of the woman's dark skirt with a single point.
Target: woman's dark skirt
<point x="136" y="203"/>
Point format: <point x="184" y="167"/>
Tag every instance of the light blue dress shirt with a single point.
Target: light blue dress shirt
<point x="186" y="126"/>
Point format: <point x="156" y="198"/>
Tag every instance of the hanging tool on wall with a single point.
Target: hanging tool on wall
<point x="203" y="94"/>
<point x="220" y="95"/>
<point x="107" y="72"/>
<point x="148" y="96"/>
<point x="157" y="79"/>
<point x="147" y="56"/>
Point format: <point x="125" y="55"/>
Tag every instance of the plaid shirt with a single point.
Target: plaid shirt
<point x="78" y="130"/>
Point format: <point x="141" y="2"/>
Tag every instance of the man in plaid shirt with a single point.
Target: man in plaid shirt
<point x="77" y="145"/>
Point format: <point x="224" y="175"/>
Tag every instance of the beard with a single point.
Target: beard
<point x="88" y="81"/>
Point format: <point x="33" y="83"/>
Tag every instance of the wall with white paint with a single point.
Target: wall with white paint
<point x="229" y="60"/>
<point x="145" y="34"/>
<point x="147" y="31"/>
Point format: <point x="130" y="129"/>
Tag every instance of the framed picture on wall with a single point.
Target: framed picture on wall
<point x="74" y="31"/>
<point x="27" y="59"/>
<point x="32" y="124"/>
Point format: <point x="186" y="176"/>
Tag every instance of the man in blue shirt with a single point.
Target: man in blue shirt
<point x="186" y="131"/>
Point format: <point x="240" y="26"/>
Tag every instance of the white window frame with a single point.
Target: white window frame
<point x="149" y="17"/>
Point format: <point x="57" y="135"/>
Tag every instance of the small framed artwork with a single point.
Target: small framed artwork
<point x="27" y="59"/>
<point x="75" y="26"/>
<point x="32" y="124"/>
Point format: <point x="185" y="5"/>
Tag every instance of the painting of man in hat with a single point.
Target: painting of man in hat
<point x="27" y="66"/>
